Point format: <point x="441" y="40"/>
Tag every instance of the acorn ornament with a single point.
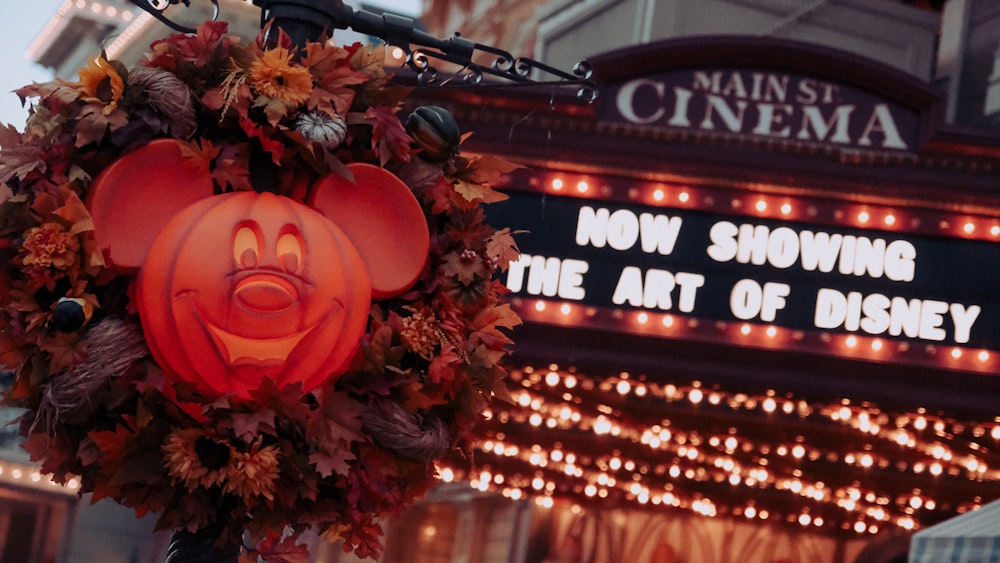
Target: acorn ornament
<point x="435" y="132"/>
<point x="70" y="314"/>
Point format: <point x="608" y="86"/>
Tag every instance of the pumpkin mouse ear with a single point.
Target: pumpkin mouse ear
<point x="133" y="199"/>
<point x="383" y="219"/>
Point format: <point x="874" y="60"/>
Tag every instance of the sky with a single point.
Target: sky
<point x="19" y="26"/>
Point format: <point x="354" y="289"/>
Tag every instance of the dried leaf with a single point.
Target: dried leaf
<point x="284" y="551"/>
<point x="502" y="247"/>
<point x="389" y="137"/>
<point x="334" y="427"/>
<point x="75" y="213"/>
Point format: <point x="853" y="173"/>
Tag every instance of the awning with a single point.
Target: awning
<point x="973" y="537"/>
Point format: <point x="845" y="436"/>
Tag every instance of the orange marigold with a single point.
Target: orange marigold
<point x="50" y="245"/>
<point x="101" y="83"/>
<point x="273" y="74"/>
<point x="252" y="474"/>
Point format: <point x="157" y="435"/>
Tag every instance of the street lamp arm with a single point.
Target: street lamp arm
<point x="308" y="20"/>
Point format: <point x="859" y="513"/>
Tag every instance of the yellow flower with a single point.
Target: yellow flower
<point x="252" y="474"/>
<point x="50" y="245"/>
<point x="195" y="459"/>
<point x="420" y="333"/>
<point x="273" y="75"/>
<point x="100" y="83"/>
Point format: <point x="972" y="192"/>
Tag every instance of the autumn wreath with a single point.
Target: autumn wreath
<point x="269" y="465"/>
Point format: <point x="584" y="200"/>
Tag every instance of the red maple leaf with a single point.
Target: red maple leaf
<point x="113" y="443"/>
<point x="389" y="138"/>
<point x="334" y="427"/>
<point x="247" y="426"/>
<point x="284" y="551"/>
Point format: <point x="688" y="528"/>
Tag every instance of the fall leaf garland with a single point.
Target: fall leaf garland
<point x="280" y="461"/>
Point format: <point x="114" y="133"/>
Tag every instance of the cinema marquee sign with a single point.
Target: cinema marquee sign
<point x="762" y="103"/>
<point x="733" y="268"/>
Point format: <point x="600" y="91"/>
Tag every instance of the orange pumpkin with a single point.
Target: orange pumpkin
<point x="246" y="286"/>
<point x="241" y="287"/>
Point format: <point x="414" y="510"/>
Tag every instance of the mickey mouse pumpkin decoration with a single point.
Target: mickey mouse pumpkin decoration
<point x="238" y="287"/>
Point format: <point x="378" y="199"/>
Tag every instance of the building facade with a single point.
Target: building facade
<point x="756" y="280"/>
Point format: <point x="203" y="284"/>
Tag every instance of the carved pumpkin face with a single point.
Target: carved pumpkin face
<point x="246" y="286"/>
<point x="238" y="288"/>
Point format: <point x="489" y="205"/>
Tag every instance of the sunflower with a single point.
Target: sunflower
<point x="195" y="459"/>
<point x="252" y="474"/>
<point x="272" y="74"/>
<point x="100" y="83"/>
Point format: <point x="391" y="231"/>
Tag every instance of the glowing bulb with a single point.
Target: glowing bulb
<point x="968" y="227"/>
<point x="602" y="425"/>
<point x="684" y="197"/>
<point x="552" y="379"/>
<point x="995" y="230"/>
<point x="668" y="321"/>
<point x="658" y="195"/>
<point x="761" y="206"/>
<point x="956" y="353"/>
<point x="890" y="220"/>
<point x="565" y="309"/>
<point x="863" y="217"/>
<point x="623" y="387"/>
<point x="582" y="187"/>
<point x="851" y="341"/>
<point x="786" y="209"/>
<point x="984" y="355"/>
<point x="557" y="184"/>
<point x="695" y="396"/>
<point x="540" y="306"/>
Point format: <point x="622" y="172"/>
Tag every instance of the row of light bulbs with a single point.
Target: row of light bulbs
<point x="555" y="471"/>
<point x="758" y="335"/>
<point x="28" y="475"/>
<point x="865" y="216"/>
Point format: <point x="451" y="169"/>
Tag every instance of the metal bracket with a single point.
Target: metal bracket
<point x="156" y="8"/>
<point x="309" y="20"/>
